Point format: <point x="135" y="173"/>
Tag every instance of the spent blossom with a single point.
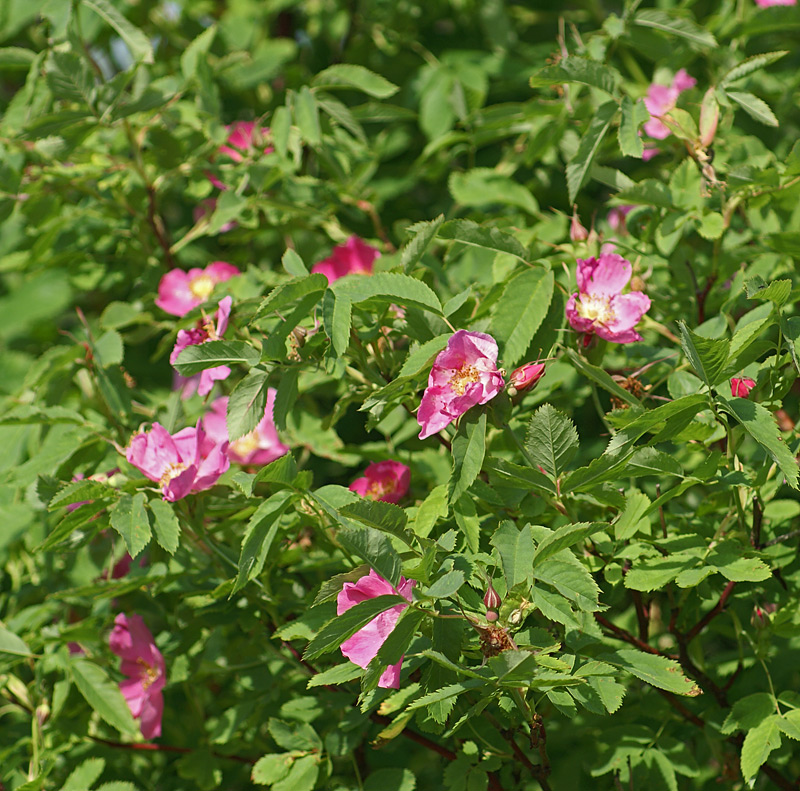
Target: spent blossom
<point x="383" y="480"/>
<point x="186" y="462"/>
<point x="180" y="291"/>
<point x="463" y="375"/>
<point x="261" y="446"/>
<point x="205" y="331"/>
<point x="143" y="664"/>
<point x="599" y="307"/>
<point x="661" y="99"/>
<point x="741" y="387"/>
<point x="364" y="645"/>
<point x="354" y="257"/>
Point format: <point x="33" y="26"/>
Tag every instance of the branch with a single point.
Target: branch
<point x="626" y="636"/>
<point x="166" y="748"/>
<point x="711" y="614"/>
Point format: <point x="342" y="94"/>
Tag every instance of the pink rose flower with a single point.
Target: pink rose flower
<point x="599" y="307"/>
<point x="179" y="291"/>
<point x="384" y="480"/>
<point x="182" y="463"/>
<point x="463" y="375"/>
<point x="240" y="143"/>
<point x="768" y="3"/>
<point x="259" y="447"/>
<point x="364" y="645"/>
<point x="740" y="388"/>
<point x="526" y="376"/>
<point x="205" y="331"/>
<point x="142" y="662"/>
<point x="354" y="257"/>
<point x="661" y="99"/>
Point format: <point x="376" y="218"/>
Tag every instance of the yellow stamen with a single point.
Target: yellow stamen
<point x="172" y="471"/>
<point x="151" y="674"/>
<point x="595" y="308"/>
<point x="201" y="286"/>
<point x="463" y="377"/>
<point x="246" y="444"/>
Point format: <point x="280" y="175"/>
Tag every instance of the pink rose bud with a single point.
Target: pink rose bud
<point x="527" y="376"/>
<point x="740" y="388"/>
<point x="760" y="617"/>
<point x="491" y="598"/>
<point x="354" y="257"/>
<point x="709" y="117"/>
<point x="576" y="231"/>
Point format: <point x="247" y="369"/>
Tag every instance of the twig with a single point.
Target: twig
<point x="642" y="616"/>
<point x="166" y="748"/>
<point x="711" y="614"/>
<point x="781" y="539"/>
<point x="758" y="518"/>
<point x="626" y="636"/>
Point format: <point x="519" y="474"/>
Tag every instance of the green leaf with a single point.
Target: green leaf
<point x="466" y="516"/>
<point x="285" y="397"/>
<point x="654" y="573"/>
<point x="751" y="64"/>
<point x="634" y="114"/>
<point x="270" y="768"/>
<point x="291" y="292"/>
<point x="391" y="286"/>
<point x="571" y="580"/>
<point x="520" y="477"/>
<point x="306" y="116"/>
<point x="197" y="52"/>
<point x="777" y="291"/>
<point x="336" y="318"/>
<point x="16" y="58"/>
<point x="582" y="70"/>
<point x="516" y="550"/>
<point x="676" y="26"/>
<point x="564" y="537"/>
<point x="129" y="519"/>
<point x="84" y="776"/>
<point x="760" y="424"/>
<point x="579" y="165"/>
<point x="246" y="404"/>
<point x="446" y="693"/>
<point x="756" y="108"/>
<point x="520" y="311"/>
<point x="137" y="41"/>
<point x="166" y="525"/>
<point x="790" y="724"/>
<point x="353" y="76"/>
<point x="758" y="744"/>
<point x="446" y="585"/>
<point x="293" y="264"/>
<point x="393" y="648"/>
<point x="423" y="233"/>
<point x="343" y="626"/>
<point x="386" y="517"/>
<point x="655" y="670"/>
<point x="108" y="350"/>
<point x="749" y="712"/>
<point x="708" y="356"/>
<point x="302" y="776"/>
<point x="470" y="233"/>
<point x="551" y="440"/>
<point x="375" y="548"/>
<point x="482" y="186"/>
<point x="259" y="536"/>
<point x="71" y="522"/>
<point x="70" y="79"/>
<point x="79" y="492"/>
<point x="600" y="377"/>
<point x="194" y="359"/>
<point x="282" y="470"/>
<point x="11" y="644"/>
<point x="338" y="674"/>
<point x="433" y="508"/>
<point x="469" y="447"/>
<point x="634" y="517"/>
<point x="103" y="695"/>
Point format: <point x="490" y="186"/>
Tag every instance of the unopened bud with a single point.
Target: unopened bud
<point x="576" y="231"/>
<point x="709" y="117"/>
<point x="526" y="376"/>
<point x="760" y="617"/>
<point x="492" y="599"/>
<point x="491" y="616"/>
<point x="740" y="388"/>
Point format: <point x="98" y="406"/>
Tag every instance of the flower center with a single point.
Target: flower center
<point x="172" y="471"/>
<point x="595" y="308"/>
<point x="246" y="444"/>
<point x="378" y="489"/>
<point x="201" y="286"/>
<point x="464" y="376"/>
<point x="149" y="674"/>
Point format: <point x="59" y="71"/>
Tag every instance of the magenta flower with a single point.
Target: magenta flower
<point x="179" y="291"/>
<point x="526" y="376"/>
<point x="661" y="99"/>
<point x="768" y="3"/>
<point x="463" y="375"/>
<point x="240" y="143"/>
<point x="599" y="307"/>
<point x="142" y="662"/>
<point x="740" y="388"/>
<point x="354" y="257"/>
<point x="261" y="446"/>
<point x="384" y="480"/>
<point x="205" y="331"/>
<point x="185" y="462"/>
<point x="364" y="645"/>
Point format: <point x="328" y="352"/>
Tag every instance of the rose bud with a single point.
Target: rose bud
<point x="576" y="231"/>
<point x="740" y="388"/>
<point x="492" y="599"/>
<point x="526" y="377"/>
<point x="709" y="117"/>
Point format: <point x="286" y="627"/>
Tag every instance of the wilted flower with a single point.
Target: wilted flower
<point x="261" y="446"/>
<point x="354" y="257"/>
<point x="185" y="462"/>
<point x="143" y="664"/>
<point x="179" y="291"/>
<point x="599" y="307"/>
<point x="526" y="376"/>
<point x="240" y="142"/>
<point x="364" y="645"/>
<point x="661" y="99"/>
<point x="740" y="388"/>
<point x="384" y="480"/>
<point x="463" y="375"/>
<point x="205" y="331"/>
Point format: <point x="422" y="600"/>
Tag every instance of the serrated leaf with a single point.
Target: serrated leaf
<point x="756" y="108"/>
<point x="272" y="767"/>
<point x="194" y="359"/>
<point x="777" y="291"/>
<point x="302" y="776"/>
<point x="338" y="674"/>
<point x="564" y="537"/>
<point x="375" y="548"/>
<point x="285" y="397"/>
<point x="336" y="318"/>
<point x="470" y="233"/>
<point x="634" y="114"/>
<point x="600" y="377"/>
<point x="633" y="518"/>
<point x="386" y="517"/>
<point x="291" y="292"/>
<point x="446" y="693"/>
<point x="423" y="234"/>
<point x="306" y="116"/>
<point x="758" y="744"/>
<point x="246" y="405"/>
<point x="11" y="644"/>
<point x="572" y="581"/>
<point x="676" y="26"/>
<point x="196" y="52"/>
<point x="71" y="522"/>
<point x="520" y="477"/>
<point x="468" y="447"/>
<point x="394" y="646"/>
<point x="516" y="550"/>
<point x="166" y="525"/>
<point x="138" y="43"/>
<point x="790" y="724"/>
<point x="655" y="670"/>
<point x="579" y="165"/>
<point x="520" y="312"/>
<point x="84" y="776"/>
<point x="446" y="585"/>
<point x="749" y="712"/>
<point x="708" y="356"/>
<point x="129" y="519"/>
<point x="751" y="64"/>
<point x="392" y="287"/>
<point x="578" y="69"/>
<point x="79" y="492"/>
<point x="293" y="264"/>
<point x="654" y="573"/>
<point x="551" y="440"/>
<point x="482" y="186"/>
<point x="103" y="695"/>
<point x="349" y="75"/>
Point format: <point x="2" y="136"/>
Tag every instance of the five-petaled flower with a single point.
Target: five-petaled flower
<point x="354" y="257"/>
<point x="383" y="480"/>
<point x="142" y="662"/>
<point x="740" y="388"/>
<point x="185" y="462"/>
<point x="179" y="291"/>
<point x="261" y="446"/>
<point x="661" y="99"/>
<point x="241" y="141"/>
<point x="463" y="375"/>
<point x="364" y="645"/>
<point x="205" y="331"/>
<point x="599" y="307"/>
